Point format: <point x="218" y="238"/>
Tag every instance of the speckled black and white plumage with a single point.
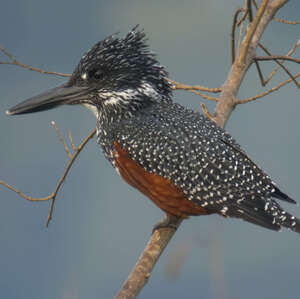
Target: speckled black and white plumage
<point x="169" y="140"/>
<point x="126" y="88"/>
<point x="202" y="160"/>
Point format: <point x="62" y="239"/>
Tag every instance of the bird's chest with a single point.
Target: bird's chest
<point x="109" y="134"/>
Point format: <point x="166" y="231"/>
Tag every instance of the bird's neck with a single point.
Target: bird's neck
<point x="121" y="107"/>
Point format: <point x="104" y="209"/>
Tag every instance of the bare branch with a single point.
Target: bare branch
<point x="254" y="3"/>
<point x="251" y="32"/>
<point x="234" y="24"/>
<point x="276" y="57"/>
<point x="244" y="16"/>
<point x="249" y="8"/>
<point x="194" y="89"/>
<point x="261" y="77"/>
<point x="227" y="100"/>
<point x="14" y="61"/>
<point x="283" y="83"/>
<point x="280" y="63"/>
<point x="53" y="195"/>
<point x="241" y="34"/>
<point x="21" y="194"/>
<point x="77" y="152"/>
<point x="71" y="141"/>
<point x="62" y="140"/>
<point x="206" y="112"/>
<point x="178" y="85"/>
<point x="204" y="96"/>
<point x="142" y="270"/>
<point x="286" y="21"/>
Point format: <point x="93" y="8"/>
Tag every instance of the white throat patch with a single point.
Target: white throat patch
<point x="92" y="108"/>
<point x="115" y="97"/>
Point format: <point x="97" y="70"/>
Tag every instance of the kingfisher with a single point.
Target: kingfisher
<point x="177" y="157"/>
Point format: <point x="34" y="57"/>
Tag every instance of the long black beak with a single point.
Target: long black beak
<point x="58" y="96"/>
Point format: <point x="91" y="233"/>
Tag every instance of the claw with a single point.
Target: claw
<point x="167" y="222"/>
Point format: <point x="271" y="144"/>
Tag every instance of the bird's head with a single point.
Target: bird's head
<point x="119" y="75"/>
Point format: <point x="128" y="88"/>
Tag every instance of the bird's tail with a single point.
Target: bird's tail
<point x="267" y="213"/>
<point x="284" y="218"/>
<point x="289" y="221"/>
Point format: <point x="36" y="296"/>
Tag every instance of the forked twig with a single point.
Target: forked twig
<point x="264" y="82"/>
<point x="280" y="64"/>
<point x="194" y="89"/>
<point x="62" y="140"/>
<point x="261" y="95"/>
<point x="53" y="195"/>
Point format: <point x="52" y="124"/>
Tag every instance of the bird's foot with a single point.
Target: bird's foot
<point x="167" y="222"/>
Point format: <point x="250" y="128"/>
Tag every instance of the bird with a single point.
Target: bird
<point x="180" y="159"/>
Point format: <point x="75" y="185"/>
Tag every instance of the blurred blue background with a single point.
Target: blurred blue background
<point x="100" y="224"/>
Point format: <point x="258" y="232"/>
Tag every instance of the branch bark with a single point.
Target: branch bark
<point x="227" y="101"/>
<point x="144" y="266"/>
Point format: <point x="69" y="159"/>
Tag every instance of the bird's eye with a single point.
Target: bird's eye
<point x="96" y="74"/>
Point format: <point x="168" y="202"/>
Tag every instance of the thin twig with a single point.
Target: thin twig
<point x="263" y="81"/>
<point x="241" y="34"/>
<point x="249" y="8"/>
<point x="204" y="96"/>
<point x="79" y="148"/>
<point x="52" y="196"/>
<point x="206" y="112"/>
<point x="194" y="89"/>
<point x="260" y="74"/>
<point x="14" y="61"/>
<point x="234" y="24"/>
<point x="243" y="18"/>
<point x="261" y="95"/>
<point x="280" y="63"/>
<point x="178" y="85"/>
<point x="23" y="195"/>
<point x="71" y="141"/>
<point x="62" y="140"/>
<point x="286" y="21"/>
<point x="276" y="57"/>
<point x="254" y="3"/>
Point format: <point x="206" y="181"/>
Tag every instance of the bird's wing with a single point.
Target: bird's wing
<point x="204" y="163"/>
<point x="196" y="160"/>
